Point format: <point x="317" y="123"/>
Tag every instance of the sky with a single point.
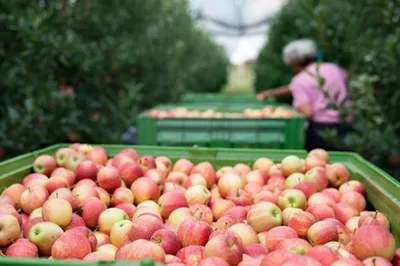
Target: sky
<point x="240" y="48"/>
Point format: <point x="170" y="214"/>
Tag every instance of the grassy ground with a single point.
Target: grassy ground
<point x="240" y="80"/>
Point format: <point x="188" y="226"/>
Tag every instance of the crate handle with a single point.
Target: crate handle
<point x="201" y="152"/>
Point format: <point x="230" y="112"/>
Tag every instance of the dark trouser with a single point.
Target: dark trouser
<point x="315" y="140"/>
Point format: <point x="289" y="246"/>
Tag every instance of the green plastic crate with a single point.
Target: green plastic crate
<point x="211" y="99"/>
<point x="382" y="190"/>
<point x="276" y="133"/>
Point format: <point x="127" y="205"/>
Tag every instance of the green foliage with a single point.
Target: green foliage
<point x="82" y="70"/>
<point x="362" y="36"/>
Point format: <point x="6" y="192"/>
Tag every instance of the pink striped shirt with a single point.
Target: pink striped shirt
<point x="305" y="89"/>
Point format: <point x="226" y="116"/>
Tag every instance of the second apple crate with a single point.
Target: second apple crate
<point x="225" y="132"/>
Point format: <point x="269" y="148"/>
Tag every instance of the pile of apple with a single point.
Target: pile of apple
<point x="81" y="205"/>
<point x="182" y="112"/>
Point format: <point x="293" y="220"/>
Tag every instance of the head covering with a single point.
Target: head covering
<point x="299" y="51"/>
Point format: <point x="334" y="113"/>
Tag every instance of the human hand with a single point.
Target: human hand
<point x="264" y="95"/>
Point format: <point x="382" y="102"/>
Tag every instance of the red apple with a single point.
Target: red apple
<point x="86" y="170"/>
<point x="156" y="175"/>
<point x="333" y="192"/>
<point x="373" y="240"/>
<point x="44" y="235"/>
<point x="263" y="164"/>
<point x="347" y="262"/>
<point x="171" y="201"/>
<point x="57" y="211"/>
<point x="122" y="195"/>
<point x="291" y="164"/>
<point x="173" y="260"/>
<point x="62" y="155"/>
<point x="145" y="226"/>
<point x="56" y="182"/>
<point x="146" y="210"/>
<point x="275" y="236"/>
<point x="98" y="155"/>
<point x="320" y="153"/>
<point x="294" y="179"/>
<point x="227" y="246"/>
<point x="168" y="240"/>
<point x="225" y="222"/>
<point x="377" y="216"/>
<point x="191" y="255"/>
<point x="86" y="182"/>
<point x="396" y="258"/>
<point x="263" y="216"/>
<point x="354" y="199"/>
<point x="147" y="162"/>
<point x="321" y="211"/>
<point x="120" y="160"/>
<point x="194" y="232"/>
<point x="256" y="251"/>
<point x="198" y="194"/>
<point x="83" y="192"/>
<point x="8" y="209"/>
<point x="145" y="189"/>
<point x="14" y="193"/>
<point x="301" y="222"/>
<point x="104" y="196"/>
<point x="202" y="213"/>
<point x="44" y="164"/>
<point x="129" y="172"/>
<point x="108" y="178"/>
<point x="256" y="176"/>
<point x="240" y="197"/>
<point x="318" y="176"/>
<point x="33" y="198"/>
<point x="179" y="215"/>
<point x="343" y="212"/>
<point x="301" y="261"/>
<point x="88" y="234"/>
<point x="276" y="258"/>
<point x="169" y="187"/>
<point x="74" y="160"/>
<point x="266" y="195"/>
<point x="166" y="161"/>
<point x="337" y="174"/>
<point x="66" y="174"/>
<point x="213" y="261"/>
<point x="323" y="254"/>
<point x="320" y="199"/>
<point x="35" y="179"/>
<point x="128" y="208"/>
<point x="242" y="169"/>
<point x="183" y="165"/>
<point x="22" y="248"/>
<point x="246" y="233"/>
<point x="352" y="185"/>
<point x="295" y="245"/>
<point x="130" y="152"/>
<point x="314" y="161"/>
<point x="139" y="250"/>
<point x="322" y="232"/>
<point x="307" y="187"/>
<point x="230" y="182"/>
<point x="207" y="170"/>
<point x="238" y="211"/>
<point x="275" y="169"/>
<point x="90" y="211"/>
<point x="71" y="244"/>
<point x="219" y="207"/>
<point x="10" y="229"/>
<point x="374" y="261"/>
<point x="98" y="256"/>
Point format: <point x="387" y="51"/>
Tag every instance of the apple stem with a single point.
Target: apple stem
<point x="2" y="254"/>
<point x="195" y="211"/>
<point x="201" y="214"/>
<point x="234" y="241"/>
<point x="376" y="214"/>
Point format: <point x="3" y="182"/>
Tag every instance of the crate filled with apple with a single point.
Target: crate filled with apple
<point x="84" y="203"/>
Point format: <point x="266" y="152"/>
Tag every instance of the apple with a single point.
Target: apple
<point x="238" y="211"/>
<point x="171" y="201"/>
<point x="396" y="258"/>
<point x="147" y="162"/>
<point x="312" y="161"/>
<point x="86" y="182"/>
<point x="256" y="176"/>
<point x="219" y="207"/>
<point x="129" y="172"/>
<point x="354" y="199"/>
<point x="173" y="260"/>
<point x="56" y="182"/>
<point x="242" y="169"/>
<point x="88" y="234"/>
<point x="35" y="213"/>
<point x="194" y="232"/>
<point x="275" y="169"/>
<point x="333" y="192"/>
<point x="22" y="248"/>
<point x="122" y="195"/>
<point x="148" y="203"/>
<point x="352" y="185"/>
<point x="35" y="179"/>
<point x="103" y="196"/>
<point x="62" y="155"/>
<point x="273" y="237"/>
<point x="145" y="226"/>
<point x="347" y="262"/>
<point x="252" y="188"/>
<point x="90" y="210"/>
<point x="130" y="152"/>
<point x="337" y="174"/>
<point x="256" y="251"/>
<point x="227" y="246"/>
<point x="307" y="187"/>
<point x="191" y="256"/>
<point x="33" y="198"/>
<point x="98" y="155"/>
<point x="263" y="216"/>
<point x="170" y="186"/>
<point x="83" y="192"/>
<point x="376" y="215"/>
<point x="108" y="178"/>
<point x="225" y="222"/>
<point x="146" y="210"/>
<point x="74" y="160"/>
<point x="343" y="212"/>
<point x="28" y="225"/>
<point x="108" y="249"/>
<point x="10" y="229"/>
<point x="198" y="194"/>
<point x="301" y="222"/>
<point x="277" y="257"/>
<point x="14" y="193"/>
<point x="224" y="170"/>
<point x="8" y="209"/>
<point x="202" y="213"/>
<point x="323" y="254"/>
<point x="230" y="182"/>
<point x="207" y="170"/>
<point x="168" y="240"/>
<point x="57" y="211"/>
<point x="320" y="153"/>
<point x="121" y="159"/>
<point x="66" y="174"/>
<point x="301" y="261"/>
<point x="246" y="233"/>
<point x="373" y="261"/>
<point x="165" y="161"/>
<point x="139" y="250"/>
<point x="321" y="211"/>
<point x="288" y="213"/>
<point x="183" y="165"/>
<point x="322" y="232"/>
<point x="320" y="199"/>
<point x="195" y="179"/>
<point x="295" y="245"/>
<point x="213" y="261"/>
<point x="276" y="180"/>
<point x="98" y="256"/>
<point x="291" y="164"/>
<point x="145" y="189"/>
<point x="71" y="244"/>
<point x="43" y="235"/>
<point x="373" y="240"/>
<point x="102" y="239"/>
<point x="44" y="164"/>
<point x="84" y="148"/>
<point x="240" y="197"/>
<point x="128" y="208"/>
<point x="318" y="176"/>
<point x="294" y="179"/>
<point x="109" y="217"/>
<point x="292" y="198"/>
<point x="119" y="234"/>
<point x="86" y="170"/>
<point x="263" y="164"/>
